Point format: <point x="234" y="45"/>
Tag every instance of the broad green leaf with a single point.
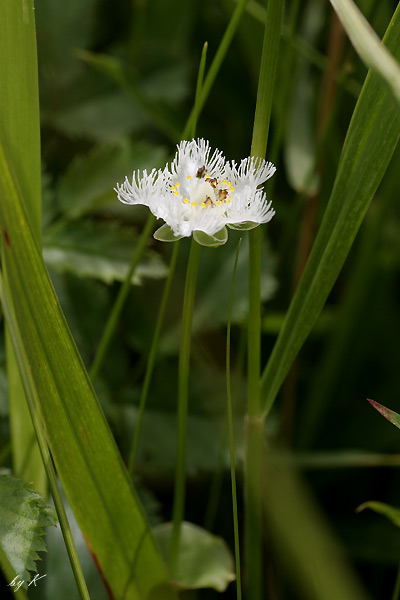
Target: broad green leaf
<point x="165" y="234"/>
<point x="368" y="45"/>
<point x="204" y="559"/>
<point x="87" y="459"/>
<point x="23" y="515"/>
<point x="98" y="249"/>
<point x="391" y="512"/>
<point x="390" y="415"/>
<point x="370" y="142"/>
<point x="212" y="241"/>
<point x="20" y="130"/>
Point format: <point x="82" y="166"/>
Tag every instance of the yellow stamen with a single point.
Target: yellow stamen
<point x="219" y="202"/>
<point x="232" y="188"/>
<point x="172" y="187"/>
<point x="186" y="200"/>
<point x="203" y="205"/>
<point x="176" y="193"/>
<point x="177" y="184"/>
<point x="189" y="177"/>
<point x="193" y="203"/>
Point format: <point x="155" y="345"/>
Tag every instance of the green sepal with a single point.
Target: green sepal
<point x="246" y="226"/>
<point x="165" y="234"/>
<point x="212" y="241"/>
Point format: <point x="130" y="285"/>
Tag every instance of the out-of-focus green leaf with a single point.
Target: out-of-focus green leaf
<point x="311" y="556"/>
<point x="368" y="45"/>
<point x="87" y="459"/>
<point x="204" y="560"/>
<point x="89" y="179"/>
<point x="390" y="415"/>
<point x="300" y="143"/>
<point x="23" y="515"/>
<point x="392" y="513"/>
<point x="101" y="250"/>
<point x="371" y="140"/>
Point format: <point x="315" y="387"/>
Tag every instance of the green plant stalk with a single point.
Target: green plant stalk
<point x="254" y="421"/>
<point x="199" y="87"/>
<point x="216" y="64"/>
<point x="37" y="421"/>
<point x="152" y="355"/>
<point x="120" y="301"/>
<point x="230" y="431"/>
<point x="396" y="591"/>
<point x="183" y="388"/>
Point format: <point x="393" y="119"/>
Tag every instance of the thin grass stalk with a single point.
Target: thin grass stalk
<point x="230" y="431"/>
<point x="120" y="301"/>
<point x="396" y="591"/>
<point x="152" y="356"/>
<point x="254" y="420"/>
<point x="183" y="388"/>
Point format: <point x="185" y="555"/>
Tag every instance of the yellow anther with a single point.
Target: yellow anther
<point x="193" y="203"/>
<point x="229" y="201"/>
<point x="177" y="184"/>
<point x="224" y="181"/>
<point x="186" y="200"/>
<point x="172" y="187"/>
<point x="189" y="177"/>
<point x="219" y="202"/>
<point x="176" y="193"/>
<point x="207" y="175"/>
<point x="228" y="183"/>
<point x="232" y="188"/>
<point x="203" y="205"/>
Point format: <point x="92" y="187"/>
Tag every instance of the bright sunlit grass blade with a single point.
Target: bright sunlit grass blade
<point x="19" y="125"/>
<point x="86" y="457"/>
<point x="371" y="139"/>
<point x="368" y="45"/>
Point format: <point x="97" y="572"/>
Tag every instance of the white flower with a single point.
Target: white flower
<point x="202" y="192"/>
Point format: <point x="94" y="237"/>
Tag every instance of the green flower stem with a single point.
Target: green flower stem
<point x="216" y="64"/>
<point x="152" y="355"/>
<point x="230" y="431"/>
<point x="396" y="591"/>
<point x="37" y="421"/>
<point x="120" y="301"/>
<point x="254" y="419"/>
<point x="183" y="385"/>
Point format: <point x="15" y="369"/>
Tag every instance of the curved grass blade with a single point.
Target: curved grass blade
<point x="370" y="142"/>
<point x="368" y="45"/>
<point x="87" y="459"/>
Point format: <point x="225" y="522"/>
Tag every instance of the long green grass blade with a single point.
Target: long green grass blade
<point x="370" y="142"/>
<point x="87" y="459"/>
<point x="368" y="45"/>
<point x="19" y="125"/>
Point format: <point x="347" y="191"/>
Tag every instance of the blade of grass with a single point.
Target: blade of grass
<point x="254" y="422"/>
<point x="19" y="124"/>
<point x="37" y="421"/>
<point x="368" y="45"/>
<point x="370" y="142"/>
<point x="230" y="431"/>
<point x="87" y="459"/>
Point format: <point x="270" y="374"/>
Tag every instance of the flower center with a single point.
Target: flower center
<point x="203" y="191"/>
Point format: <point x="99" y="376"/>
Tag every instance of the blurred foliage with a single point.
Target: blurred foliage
<point x="117" y="84"/>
